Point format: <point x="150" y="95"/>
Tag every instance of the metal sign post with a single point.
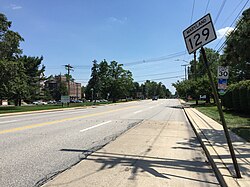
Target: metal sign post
<point x="196" y="36"/>
<point x="216" y="97"/>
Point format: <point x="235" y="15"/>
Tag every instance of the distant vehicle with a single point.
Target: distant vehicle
<point x="78" y="101"/>
<point x="103" y="100"/>
<point x="203" y="97"/>
<point x="40" y="103"/>
<point x="52" y="102"/>
<point x="154" y="98"/>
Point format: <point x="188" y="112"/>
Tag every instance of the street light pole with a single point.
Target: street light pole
<point x="185" y="65"/>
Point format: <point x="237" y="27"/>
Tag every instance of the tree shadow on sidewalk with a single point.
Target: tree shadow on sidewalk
<point x="155" y="166"/>
<point x="217" y="138"/>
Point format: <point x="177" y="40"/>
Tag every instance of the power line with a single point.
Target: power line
<point x="174" y="55"/>
<point x="207" y="6"/>
<point x="192" y="14"/>
<point x="220" y="10"/>
<point x="164" y="78"/>
<point x="232" y="13"/>
<point x="224" y="43"/>
<point x="156" y="74"/>
<point x="229" y="36"/>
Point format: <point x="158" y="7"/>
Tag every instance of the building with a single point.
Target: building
<point x="75" y="91"/>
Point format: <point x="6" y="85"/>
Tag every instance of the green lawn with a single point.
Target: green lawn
<point x="236" y="122"/>
<point x="11" y="109"/>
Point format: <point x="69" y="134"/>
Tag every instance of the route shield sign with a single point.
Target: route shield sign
<point x="199" y="34"/>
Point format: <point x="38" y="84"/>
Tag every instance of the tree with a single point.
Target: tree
<point x="109" y="80"/>
<point x="34" y="74"/>
<point x="20" y="75"/>
<point x="120" y="81"/>
<point x="94" y="82"/>
<point x="9" y="40"/>
<point x="13" y="81"/>
<point x="236" y="52"/>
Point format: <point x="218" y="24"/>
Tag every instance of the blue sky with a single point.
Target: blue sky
<point x="146" y="32"/>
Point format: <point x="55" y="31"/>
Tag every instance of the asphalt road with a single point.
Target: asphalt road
<point x="32" y="146"/>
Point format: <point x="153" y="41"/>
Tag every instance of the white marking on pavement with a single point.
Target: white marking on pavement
<point x="8" y="121"/>
<point x="138" y="111"/>
<point x="95" y="126"/>
<point x="151" y="107"/>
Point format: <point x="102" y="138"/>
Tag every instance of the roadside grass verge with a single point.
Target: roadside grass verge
<point x="12" y="109"/>
<point x="236" y="122"/>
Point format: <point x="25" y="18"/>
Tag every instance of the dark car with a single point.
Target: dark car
<point x="154" y="98"/>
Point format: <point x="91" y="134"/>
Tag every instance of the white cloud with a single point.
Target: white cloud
<point x="224" y="32"/>
<point x="116" y="20"/>
<point x="15" y="7"/>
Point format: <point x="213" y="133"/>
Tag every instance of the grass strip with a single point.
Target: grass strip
<point x="12" y="109"/>
<point x="236" y="122"/>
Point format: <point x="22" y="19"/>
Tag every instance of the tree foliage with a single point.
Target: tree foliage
<point x="20" y="75"/>
<point x="236" y="53"/>
<point x="109" y="81"/>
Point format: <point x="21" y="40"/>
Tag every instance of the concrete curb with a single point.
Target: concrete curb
<point x="204" y="145"/>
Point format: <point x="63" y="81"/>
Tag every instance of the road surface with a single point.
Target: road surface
<point x="34" y="147"/>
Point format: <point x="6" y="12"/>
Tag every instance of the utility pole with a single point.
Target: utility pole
<point x="68" y="68"/>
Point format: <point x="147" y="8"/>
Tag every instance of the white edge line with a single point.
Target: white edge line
<point x="8" y="121"/>
<point x="95" y="126"/>
<point x="138" y="111"/>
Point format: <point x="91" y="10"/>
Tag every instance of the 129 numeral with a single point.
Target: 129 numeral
<point x="197" y="41"/>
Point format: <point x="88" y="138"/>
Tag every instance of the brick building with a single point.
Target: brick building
<point x="75" y="88"/>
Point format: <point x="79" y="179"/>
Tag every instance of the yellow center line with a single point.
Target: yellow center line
<point x="62" y="120"/>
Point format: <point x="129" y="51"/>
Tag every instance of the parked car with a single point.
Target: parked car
<point x="78" y="101"/>
<point x="52" y="102"/>
<point x="40" y="103"/>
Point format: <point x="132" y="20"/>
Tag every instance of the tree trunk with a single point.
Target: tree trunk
<point x="207" y="98"/>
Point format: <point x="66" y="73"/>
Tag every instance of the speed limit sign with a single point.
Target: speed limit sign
<point x="199" y="33"/>
<point x="223" y="72"/>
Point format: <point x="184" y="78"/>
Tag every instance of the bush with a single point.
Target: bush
<point x="227" y="99"/>
<point x="243" y="96"/>
<point x="236" y="97"/>
<point x="248" y="98"/>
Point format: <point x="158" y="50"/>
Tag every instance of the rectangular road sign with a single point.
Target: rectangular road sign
<point x="199" y="34"/>
<point x="65" y="99"/>
<point x="223" y="72"/>
<point x="222" y="84"/>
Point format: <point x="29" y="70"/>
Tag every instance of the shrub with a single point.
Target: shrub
<point x="227" y="99"/>
<point x="243" y="95"/>
<point x="236" y="97"/>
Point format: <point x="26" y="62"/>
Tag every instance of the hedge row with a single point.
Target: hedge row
<point x="237" y="97"/>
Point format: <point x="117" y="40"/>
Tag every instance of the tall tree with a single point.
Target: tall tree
<point x="13" y="81"/>
<point x="236" y="53"/>
<point x="34" y="71"/>
<point x="9" y="40"/>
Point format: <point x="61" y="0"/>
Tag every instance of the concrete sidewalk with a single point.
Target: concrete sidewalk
<point x="153" y="153"/>
<point x="211" y="134"/>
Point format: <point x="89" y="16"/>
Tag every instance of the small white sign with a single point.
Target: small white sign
<point x="65" y="99"/>
<point x="199" y="34"/>
<point x="223" y="72"/>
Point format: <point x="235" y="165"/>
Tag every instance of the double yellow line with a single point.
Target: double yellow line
<point x="62" y="120"/>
